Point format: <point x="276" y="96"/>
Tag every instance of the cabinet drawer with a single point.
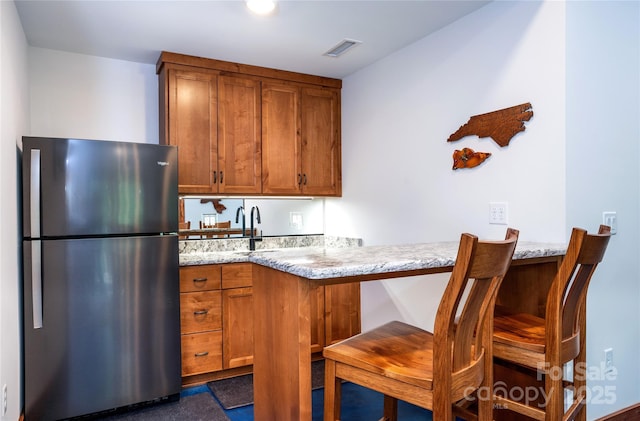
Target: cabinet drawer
<point x="201" y="353"/>
<point x="237" y="275"/>
<point x="200" y="311"/>
<point x="199" y="278"/>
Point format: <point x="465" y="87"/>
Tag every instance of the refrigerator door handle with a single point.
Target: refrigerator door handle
<point x="36" y="283"/>
<point x="34" y="194"/>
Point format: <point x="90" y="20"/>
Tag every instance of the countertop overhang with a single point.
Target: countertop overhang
<point x="321" y="263"/>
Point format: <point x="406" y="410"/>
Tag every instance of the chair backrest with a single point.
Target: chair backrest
<point x="184" y="225"/>
<point x="459" y="334"/>
<point x="568" y="290"/>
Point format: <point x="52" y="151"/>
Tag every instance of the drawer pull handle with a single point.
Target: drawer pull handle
<point x="198" y="280"/>
<point x="240" y="295"/>
<point x="201" y="354"/>
<point x="200" y="312"/>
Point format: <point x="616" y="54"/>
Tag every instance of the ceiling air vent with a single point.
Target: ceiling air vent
<point x="344" y="46"/>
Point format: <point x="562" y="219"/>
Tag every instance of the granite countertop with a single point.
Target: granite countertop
<point x="331" y="262"/>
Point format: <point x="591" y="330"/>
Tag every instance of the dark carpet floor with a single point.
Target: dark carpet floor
<point x="195" y="404"/>
<point x="238" y="391"/>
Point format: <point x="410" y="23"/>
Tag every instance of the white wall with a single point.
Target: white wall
<point x="603" y="141"/>
<point x="74" y="95"/>
<point x="14" y="122"/>
<point x="399" y="186"/>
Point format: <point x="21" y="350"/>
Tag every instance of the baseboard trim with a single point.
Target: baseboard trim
<point x="631" y="413"/>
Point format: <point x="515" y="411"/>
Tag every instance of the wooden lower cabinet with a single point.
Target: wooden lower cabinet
<point x="216" y="306"/>
<point x="237" y="344"/>
<point x="200" y="319"/>
<point x="201" y="353"/>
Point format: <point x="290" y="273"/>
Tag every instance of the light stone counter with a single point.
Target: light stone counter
<point x="236" y="250"/>
<point x="330" y="261"/>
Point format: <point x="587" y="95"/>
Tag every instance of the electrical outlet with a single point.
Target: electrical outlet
<point x="295" y="220"/>
<point x="498" y="213"/>
<point x="608" y="360"/>
<point x="4" y="399"/>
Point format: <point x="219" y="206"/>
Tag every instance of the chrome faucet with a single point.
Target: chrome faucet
<point x="238" y="211"/>
<point x="252" y="238"/>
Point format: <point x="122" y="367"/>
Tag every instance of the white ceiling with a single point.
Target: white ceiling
<point x="294" y="38"/>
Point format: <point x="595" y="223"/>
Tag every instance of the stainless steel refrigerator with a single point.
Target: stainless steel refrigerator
<point x="101" y="290"/>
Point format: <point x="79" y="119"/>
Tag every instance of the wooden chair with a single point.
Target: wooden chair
<point x="545" y="345"/>
<point x="431" y="370"/>
<point x="184" y="226"/>
<point x="225" y="224"/>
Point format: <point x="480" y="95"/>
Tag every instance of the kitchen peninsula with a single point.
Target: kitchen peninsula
<point x="281" y="285"/>
<point x="283" y="279"/>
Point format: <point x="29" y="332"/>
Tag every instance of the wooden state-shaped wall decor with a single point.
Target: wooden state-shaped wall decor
<point x="468" y="158"/>
<point x="499" y="125"/>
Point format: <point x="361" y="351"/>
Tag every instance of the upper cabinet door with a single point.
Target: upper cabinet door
<point x="321" y="145"/>
<point x="301" y="148"/>
<point x="192" y="126"/>
<point x="239" y="146"/>
<point x="281" y="164"/>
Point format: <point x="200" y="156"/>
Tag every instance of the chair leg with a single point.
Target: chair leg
<point x="554" y="389"/>
<point x="390" y="408"/>
<point x="332" y="392"/>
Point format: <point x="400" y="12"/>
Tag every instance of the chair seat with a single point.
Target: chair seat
<point x="520" y="330"/>
<point x="395" y="350"/>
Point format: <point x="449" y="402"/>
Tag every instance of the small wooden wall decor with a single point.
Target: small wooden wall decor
<point x="500" y="125"/>
<point x="217" y="204"/>
<point x="468" y="158"/>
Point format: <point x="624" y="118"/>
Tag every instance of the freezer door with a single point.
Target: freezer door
<point x="109" y="328"/>
<point x="74" y="187"/>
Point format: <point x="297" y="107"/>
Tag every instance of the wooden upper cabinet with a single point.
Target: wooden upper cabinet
<point x="243" y="129"/>
<point x="239" y="145"/>
<point x="301" y="147"/>
<point x="281" y="155"/>
<point x="321" y="146"/>
<point x="191" y="124"/>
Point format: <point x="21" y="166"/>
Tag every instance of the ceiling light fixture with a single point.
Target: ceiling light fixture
<point x="261" y="7"/>
<point x="344" y="46"/>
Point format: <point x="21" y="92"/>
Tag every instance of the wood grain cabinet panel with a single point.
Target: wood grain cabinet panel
<point x="341" y="312"/>
<point x="237" y="343"/>
<point x="239" y="145"/>
<point x="201" y="353"/>
<point x="237" y="275"/>
<point x="200" y="311"/>
<point x="192" y="125"/>
<point x="200" y="278"/>
<point x="301" y="145"/>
